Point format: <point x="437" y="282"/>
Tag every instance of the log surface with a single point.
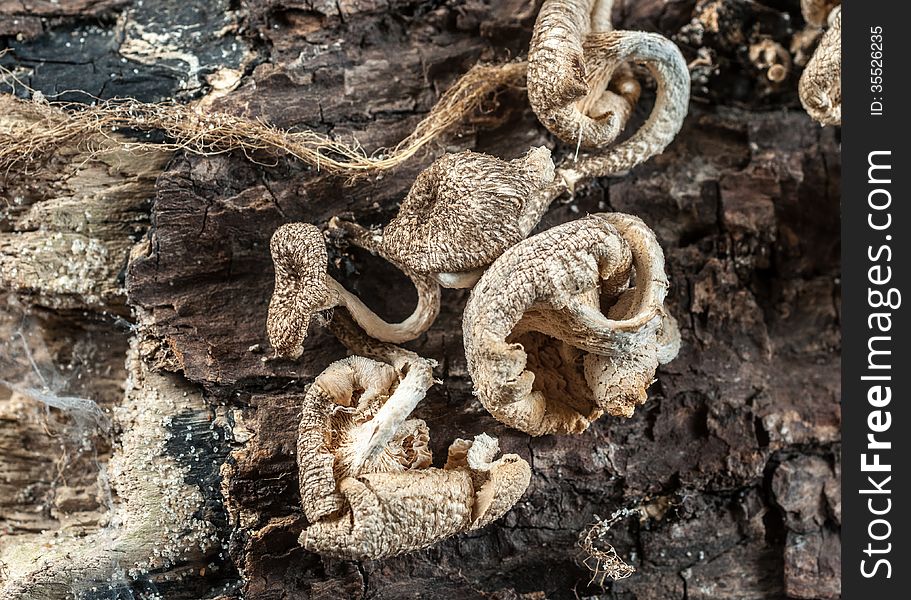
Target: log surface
<point x="734" y="457"/>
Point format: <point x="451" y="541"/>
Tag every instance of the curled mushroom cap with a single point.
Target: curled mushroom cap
<point x="570" y="63"/>
<point x="354" y="421"/>
<point x="820" y="84"/>
<point x="367" y="487"/>
<point x="666" y="64"/>
<point x="542" y="355"/>
<point x="816" y="12"/>
<point x="392" y="513"/>
<point x="303" y="287"/>
<point x="462" y="212"/>
<point x="569" y="94"/>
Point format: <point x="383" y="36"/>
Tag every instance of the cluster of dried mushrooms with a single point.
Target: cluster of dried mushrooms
<point x="560" y="327"/>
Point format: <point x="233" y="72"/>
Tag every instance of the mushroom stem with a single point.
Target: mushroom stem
<point x="424" y="314"/>
<point x="601" y="16"/>
<point x="667" y="66"/>
<point x="371" y="437"/>
<point x="303" y="288"/>
<point x="415" y="378"/>
<point x="418" y="321"/>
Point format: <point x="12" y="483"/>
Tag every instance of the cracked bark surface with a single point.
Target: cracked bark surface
<point x="734" y="458"/>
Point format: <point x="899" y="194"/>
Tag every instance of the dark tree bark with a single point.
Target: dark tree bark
<point x="734" y="458"/>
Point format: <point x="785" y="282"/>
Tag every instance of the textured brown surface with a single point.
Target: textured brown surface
<point x="734" y="456"/>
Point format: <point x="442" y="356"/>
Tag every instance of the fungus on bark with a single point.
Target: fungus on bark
<point x="461" y="213"/>
<point x="573" y="57"/>
<point x="771" y="58"/>
<point x="572" y="97"/>
<point x="820" y="84"/>
<point x="354" y="421"/>
<point x="367" y="486"/>
<point x="303" y="287"/>
<point x="543" y="355"/>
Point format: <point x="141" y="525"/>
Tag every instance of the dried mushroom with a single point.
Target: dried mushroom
<point x="572" y="97"/>
<point x="816" y="12"/>
<point x="354" y="420"/>
<point x="820" y="84"/>
<point x="771" y="58"/>
<point x="367" y="486"/>
<point x="303" y="287"/>
<point x="543" y="355"/>
<point x="461" y="213"/>
<point x="581" y="89"/>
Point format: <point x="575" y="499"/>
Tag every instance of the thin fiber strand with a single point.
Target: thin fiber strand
<point x="214" y="133"/>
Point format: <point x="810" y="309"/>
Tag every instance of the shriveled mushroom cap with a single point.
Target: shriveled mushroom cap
<point x="393" y="513"/>
<point x="535" y="318"/>
<point x="465" y="209"/>
<point x="816" y="12"/>
<point x="820" y="84"/>
<point x="635" y="312"/>
<point x="301" y="289"/>
<point x="566" y="83"/>
<point x="624" y="346"/>
<point x="548" y="271"/>
<point x="338" y="405"/>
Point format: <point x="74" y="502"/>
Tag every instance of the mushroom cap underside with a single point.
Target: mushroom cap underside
<point x="339" y="405"/>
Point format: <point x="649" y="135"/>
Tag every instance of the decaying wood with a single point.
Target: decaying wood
<point x="157" y="518"/>
<point x="70" y="219"/>
<point x="732" y="462"/>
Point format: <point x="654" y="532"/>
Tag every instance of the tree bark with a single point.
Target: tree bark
<point x="733" y="460"/>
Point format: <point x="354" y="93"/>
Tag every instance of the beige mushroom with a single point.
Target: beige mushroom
<point x="303" y="287"/>
<point x="771" y="58"/>
<point x="388" y="514"/>
<point x="820" y="84"/>
<point x="354" y="420"/>
<point x="816" y="12"/>
<point x="366" y="483"/>
<point x="572" y="98"/>
<point x="542" y="355"/>
<point x="569" y="63"/>
<point x="461" y="213"/>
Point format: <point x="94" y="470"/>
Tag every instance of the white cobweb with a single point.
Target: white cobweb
<point x="27" y="367"/>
